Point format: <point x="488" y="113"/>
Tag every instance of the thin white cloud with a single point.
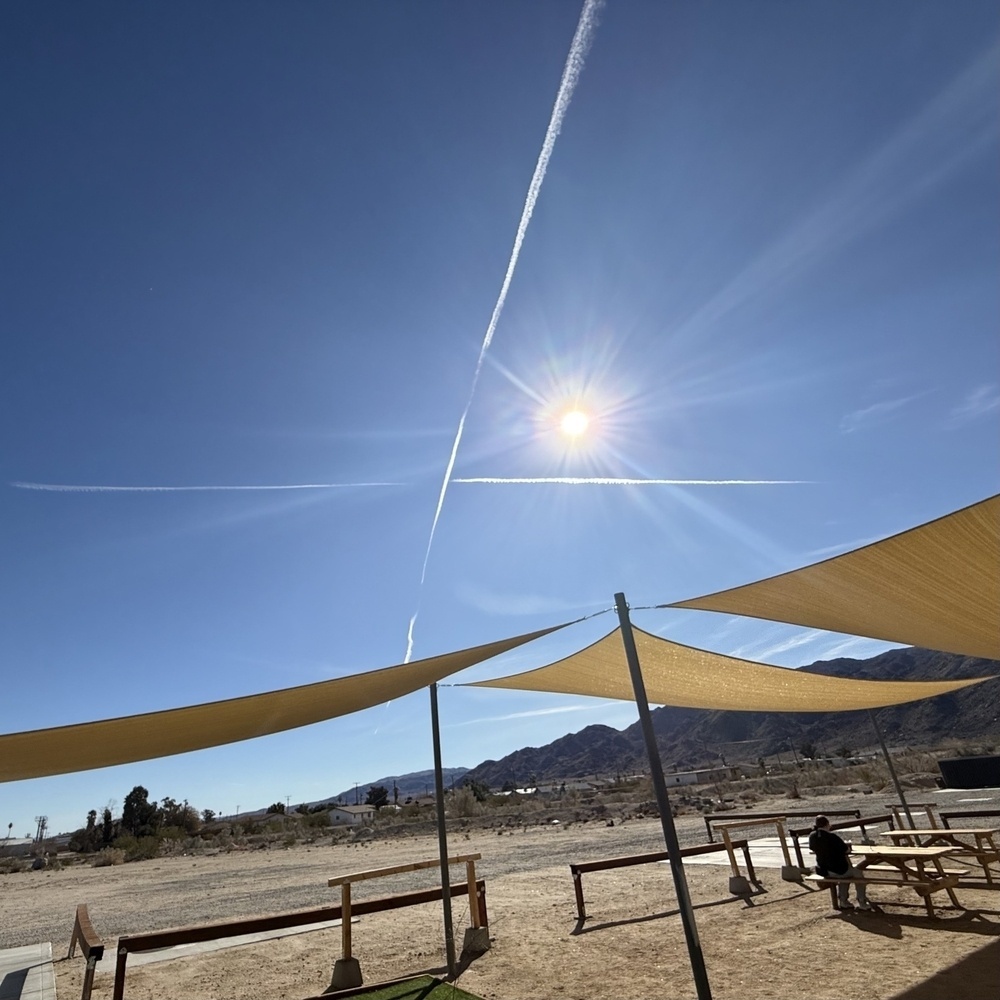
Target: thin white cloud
<point x="831" y="550"/>
<point x="952" y="129"/>
<point x="71" y="488"/>
<point x="578" y="49"/>
<point x="614" y="481"/>
<point x="977" y="403"/>
<point x="874" y="414"/>
<point x="534" y="713"/>
<point x="757" y="652"/>
<point x="856" y="646"/>
<point x="494" y="603"/>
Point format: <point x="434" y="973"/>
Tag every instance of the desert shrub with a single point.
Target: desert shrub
<point x="138" y="848"/>
<point x="109" y="856"/>
<point x="290" y="840"/>
<point x="463" y="803"/>
<point x="9" y="866"/>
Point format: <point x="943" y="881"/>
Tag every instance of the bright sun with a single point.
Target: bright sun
<point x="574" y="423"/>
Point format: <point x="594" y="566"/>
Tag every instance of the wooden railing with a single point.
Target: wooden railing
<point x="91" y="946"/>
<point x="345" y="881"/>
<point x="727" y="817"/>
<point x="133" y="943"/>
<point x="606" y="864"/>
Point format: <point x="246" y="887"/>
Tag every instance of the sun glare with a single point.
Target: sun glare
<point x="574" y="423"/>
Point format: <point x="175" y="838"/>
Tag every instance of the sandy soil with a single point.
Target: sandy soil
<point x="785" y="943"/>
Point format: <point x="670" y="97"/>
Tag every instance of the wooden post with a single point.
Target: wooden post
<point x="345" y="918"/>
<point x="784" y="843"/>
<point x="470" y="870"/>
<point x="581" y="910"/>
<point x="729" y="850"/>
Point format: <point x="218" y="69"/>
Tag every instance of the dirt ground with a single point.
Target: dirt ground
<point x="786" y="942"/>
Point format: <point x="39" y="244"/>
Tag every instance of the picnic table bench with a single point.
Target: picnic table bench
<point x="918" y="868"/>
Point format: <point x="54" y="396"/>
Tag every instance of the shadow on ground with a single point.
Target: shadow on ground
<point x="973" y="978"/>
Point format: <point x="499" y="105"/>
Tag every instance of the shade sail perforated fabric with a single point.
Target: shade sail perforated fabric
<point x="695" y="678"/>
<point x="936" y="586"/>
<point x="65" y="749"/>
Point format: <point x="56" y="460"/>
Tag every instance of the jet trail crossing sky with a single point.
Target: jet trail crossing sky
<point x="585" y="29"/>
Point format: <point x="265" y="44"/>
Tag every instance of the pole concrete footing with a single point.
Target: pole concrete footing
<point x="346" y="975"/>
<point x="791" y="873"/>
<point x="738" y="885"/>
<point x="477" y="940"/>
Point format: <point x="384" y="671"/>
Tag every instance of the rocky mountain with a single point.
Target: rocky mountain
<point x="415" y="783"/>
<point x="691" y="738"/>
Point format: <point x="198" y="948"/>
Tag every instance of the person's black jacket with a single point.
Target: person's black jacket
<point x="832" y="854"/>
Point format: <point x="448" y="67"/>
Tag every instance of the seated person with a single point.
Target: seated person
<point x="833" y="860"/>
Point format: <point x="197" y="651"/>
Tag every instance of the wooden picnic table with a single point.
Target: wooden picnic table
<point x="919" y="868"/>
<point x="972" y="843"/>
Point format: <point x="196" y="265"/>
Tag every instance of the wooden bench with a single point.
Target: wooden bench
<point x="90" y="944"/>
<point x="892" y="868"/>
<point x="922" y="887"/>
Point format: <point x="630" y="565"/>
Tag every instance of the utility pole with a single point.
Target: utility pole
<point x="357" y="794"/>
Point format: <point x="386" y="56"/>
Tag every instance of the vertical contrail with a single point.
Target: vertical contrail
<point x="570" y="77"/>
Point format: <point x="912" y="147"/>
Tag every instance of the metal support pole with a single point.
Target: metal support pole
<point x="663" y="805"/>
<point x="892" y="770"/>
<point x="449" y="930"/>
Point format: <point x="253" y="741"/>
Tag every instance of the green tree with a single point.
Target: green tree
<point x="809" y="750"/>
<point x="276" y="807"/>
<point x="378" y="796"/>
<point x="140" y="817"/>
<point x="479" y="788"/>
<point x="207" y="815"/>
<point x="107" y="826"/>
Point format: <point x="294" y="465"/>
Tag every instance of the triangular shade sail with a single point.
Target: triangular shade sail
<point x="65" y="749"/>
<point x="695" y="678"/>
<point x="936" y="586"/>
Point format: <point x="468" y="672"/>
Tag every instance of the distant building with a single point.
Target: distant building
<point x="701" y="777"/>
<point x="352" y="815"/>
<point x="16" y="847"/>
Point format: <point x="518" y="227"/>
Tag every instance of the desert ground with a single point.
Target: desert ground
<point x="785" y="942"/>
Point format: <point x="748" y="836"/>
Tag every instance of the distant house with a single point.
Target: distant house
<point x="352" y="815"/>
<point x="701" y="777"/>
<point x="15" y="847"/>
<point x="420" y="801"/>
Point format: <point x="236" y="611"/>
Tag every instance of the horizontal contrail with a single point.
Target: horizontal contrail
<point x="70" y="488"/>
<point x="608" y="481"/>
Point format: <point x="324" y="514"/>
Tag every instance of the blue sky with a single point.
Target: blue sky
<point x="261" y="244"/>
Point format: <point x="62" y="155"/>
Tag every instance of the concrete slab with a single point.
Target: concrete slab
<point x="26" y="973"/>
<point x="107" y="964"/>
<point x="766" y="852"/>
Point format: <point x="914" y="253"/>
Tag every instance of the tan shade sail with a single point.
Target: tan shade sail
<point x="88" y="745"/>
<point x="936" y="586"/>
<point x="695" y="678"/>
